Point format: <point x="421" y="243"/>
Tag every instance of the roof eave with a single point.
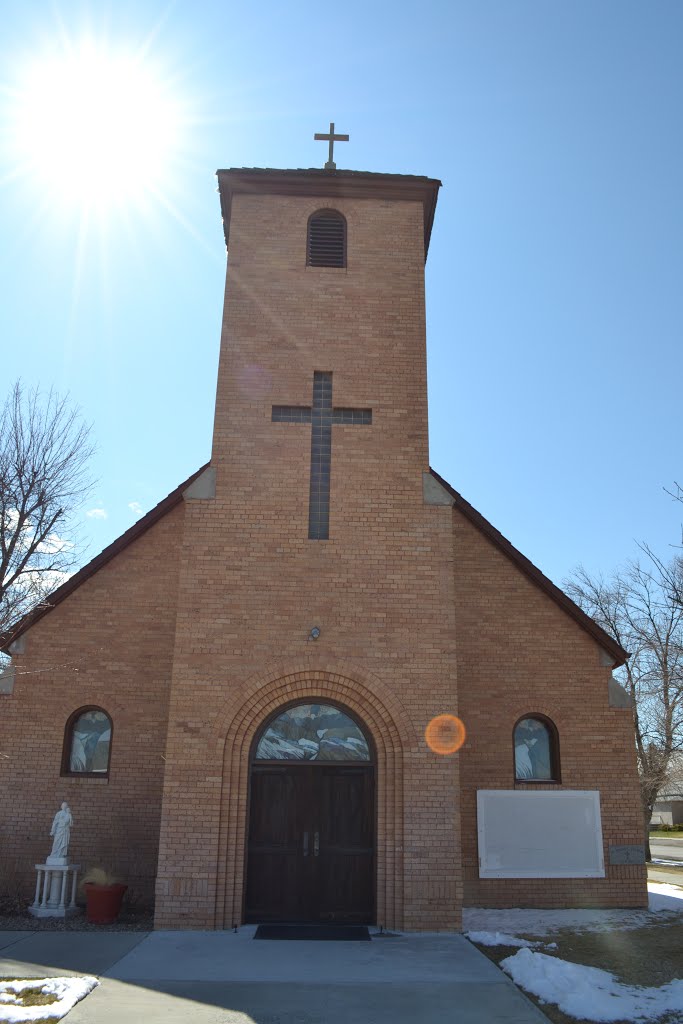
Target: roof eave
<point x="606" y="642"/>
<point x="111" y="551"/>
<point x="328" y="184"/>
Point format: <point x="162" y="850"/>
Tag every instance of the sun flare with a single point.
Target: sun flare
<point x="98" y="127"/>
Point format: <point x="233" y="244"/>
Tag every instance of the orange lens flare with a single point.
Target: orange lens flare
<point x="445" y="734"/>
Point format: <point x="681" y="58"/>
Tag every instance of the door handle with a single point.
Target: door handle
<point x="305" y="844"/>
<point x="316" y="844"/>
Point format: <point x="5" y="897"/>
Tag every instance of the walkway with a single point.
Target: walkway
<point x="226" y="978"/>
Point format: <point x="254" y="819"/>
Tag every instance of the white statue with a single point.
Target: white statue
<point x="61" y="830"/>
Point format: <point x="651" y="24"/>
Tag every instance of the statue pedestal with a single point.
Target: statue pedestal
<point x="52" y="888"/>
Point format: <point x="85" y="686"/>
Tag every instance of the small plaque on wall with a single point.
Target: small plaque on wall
<point x="627" y="854"/>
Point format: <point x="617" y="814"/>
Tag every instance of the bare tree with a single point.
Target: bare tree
<point x="674" y="573"/>
<point x="637" y="607"/>
<point x="45" y="448"/>
<point x="677" y="492"/>
<point x="668" y="574"/>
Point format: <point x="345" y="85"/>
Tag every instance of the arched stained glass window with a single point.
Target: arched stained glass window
<point x="312" y="732"/>
<point x="87" y="743"/>
<point x="536" y="750"/>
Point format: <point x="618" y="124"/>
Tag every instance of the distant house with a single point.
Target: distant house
<point x="668" y="808"/>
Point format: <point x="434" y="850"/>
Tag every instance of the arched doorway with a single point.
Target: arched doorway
<point x="311" y="843"/>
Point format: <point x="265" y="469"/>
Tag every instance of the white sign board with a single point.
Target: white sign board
<point x="537" y="834"/>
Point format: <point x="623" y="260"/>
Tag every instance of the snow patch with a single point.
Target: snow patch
<point x="516" y="921"/>
<point x="665" y="897"/>
<point x="588" y="992"/>
<point x="68" y="992"/>
<point x="500" y="939"/>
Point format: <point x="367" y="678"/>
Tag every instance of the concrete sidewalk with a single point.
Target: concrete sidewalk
<point x="226" y="978"/>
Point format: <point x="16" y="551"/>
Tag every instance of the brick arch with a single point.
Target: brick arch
<point x="246" y="720"/>
<point x="375" y="689"/>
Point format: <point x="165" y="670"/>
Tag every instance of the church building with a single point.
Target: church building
<point x="314" y="684"/>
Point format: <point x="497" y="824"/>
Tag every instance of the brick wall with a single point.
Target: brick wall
<point x="110" y="644"/>
<point x="419" y="614"/>
<point x="519" y="653"/>
<point x="253" y="585"/>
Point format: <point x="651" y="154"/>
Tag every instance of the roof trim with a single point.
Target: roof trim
<point x="335" y="184"/>
<point x="586" y="623"/>
<point x="476" y="518"/>
<point x="88" y="570"/>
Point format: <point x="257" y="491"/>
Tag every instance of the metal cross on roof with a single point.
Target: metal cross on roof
<point x="331" y="138"/>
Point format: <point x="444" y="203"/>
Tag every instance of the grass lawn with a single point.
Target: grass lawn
<point x="658" y="834"/>
<point x="650" y="956"/>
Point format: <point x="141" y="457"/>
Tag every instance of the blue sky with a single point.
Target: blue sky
<point x="554" y="306"/>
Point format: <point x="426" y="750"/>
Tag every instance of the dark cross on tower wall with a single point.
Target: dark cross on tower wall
<point x="322" y="416"/>
<point x="331" y="138"/>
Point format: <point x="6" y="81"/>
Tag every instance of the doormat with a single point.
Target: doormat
<point x="314" y="932"/>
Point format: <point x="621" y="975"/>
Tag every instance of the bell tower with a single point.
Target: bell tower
<point x="319" y="566"/>
<point x="324" y="314"/>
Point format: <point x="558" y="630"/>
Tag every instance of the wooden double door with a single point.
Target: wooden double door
<point x="310" y="854"/>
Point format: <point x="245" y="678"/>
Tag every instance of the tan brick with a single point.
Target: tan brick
<point x="199" y="630"/>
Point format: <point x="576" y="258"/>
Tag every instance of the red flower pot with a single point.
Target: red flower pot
<point x="103" y="902"/>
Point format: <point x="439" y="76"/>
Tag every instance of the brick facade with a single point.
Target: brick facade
<point x="519" y="654"/>
<point x="110" y="644"/>
<point x="199" y="629"/>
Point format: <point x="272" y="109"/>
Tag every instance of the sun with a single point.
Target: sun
<point x="97" y="126"/>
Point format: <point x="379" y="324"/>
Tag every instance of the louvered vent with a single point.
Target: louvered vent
<point x="326" y="240"/>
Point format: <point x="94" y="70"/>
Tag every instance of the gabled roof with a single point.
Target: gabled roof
<point x="470" y="513"/>
<point x="607" y="642"/>
<point x="88" y="570"/>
